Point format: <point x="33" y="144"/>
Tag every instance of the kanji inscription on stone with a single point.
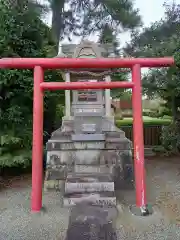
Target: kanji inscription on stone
<point x="89" y="127"/>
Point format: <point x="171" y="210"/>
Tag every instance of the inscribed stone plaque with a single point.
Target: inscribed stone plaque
<point x="89" y="127"/>
<point x="103" y="199"/>
<point x="87" y="110"/>
<point x="89" y="187"/>
<point x="87" y="96"/>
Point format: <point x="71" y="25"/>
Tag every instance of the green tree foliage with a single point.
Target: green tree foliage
<point x="22" y="34"/>
<point x="159" y="40"/>
<point x="82" y="17"/>
<point x="108" y="36"/>
<point x="109" y="40"/>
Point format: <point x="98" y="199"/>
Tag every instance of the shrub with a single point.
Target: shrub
<point x="22" y="34"/>
<point x="159" y="149"/>
<point x="127" y="114"/>
<point x="165" y="111"/>
<point x="166" y="117"/>
<point x="152" y="122"/>
<point x="171" y="138"/>
<point x="146" y="112"/>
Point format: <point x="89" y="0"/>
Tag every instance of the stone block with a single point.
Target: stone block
<point x="58" y="140"/>
<point x="124" y="172"/>
<point x="89" y="112"/>
<point x="88" y="137"/>
<point x="60" y="157"/>
<point x="126" y="155"/>
<point x="59" y="134"/>
<point x="114" y="134"/>
<point x="89" y="128"/>
<point x="87" y="157"/>
<point x="80" y="121"/>
<point x="108" y="125"/>
<point x="105" y="169"/>
<point x="59" y="145"/>
<point x="59" y="173"/>
<point x="92" y="223"/>
<point x="53" y="185"/>
<point x="119" y="144"/>
<point x="71" y="157"/>
<point x="100" y="199"/>
<point x="109" y="157"/>
<point x="56" y="145"/>
<point x="91" y="145"/>
<point x="77" y="183"/>
<point x="96" y="157"/>
<point x="93" y="177"/>
<point x="67" y="125"/>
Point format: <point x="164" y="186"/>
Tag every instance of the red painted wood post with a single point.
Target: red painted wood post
<point x="138" y="136"/>
<point x="37" y="148"/>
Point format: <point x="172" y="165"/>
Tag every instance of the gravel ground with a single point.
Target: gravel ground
<point x="163" y="186"/>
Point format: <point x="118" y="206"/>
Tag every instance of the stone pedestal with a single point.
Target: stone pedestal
<point x="91" y="222"/>
<point x="70" y="154"/>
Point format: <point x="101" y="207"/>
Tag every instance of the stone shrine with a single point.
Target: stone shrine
<point x="88" y="155"/>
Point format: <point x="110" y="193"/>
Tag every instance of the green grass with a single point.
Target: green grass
<point x="146" y="120"/>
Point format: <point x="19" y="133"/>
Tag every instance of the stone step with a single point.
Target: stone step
<point x="58" y="134"/>
<point x="88" y="111"/>
<point x="57" y="173"/>
<point x="116" y="140"/>
<point x="104" y="169"/>
<point x="87" y="187"/>
<point x="91" y="177"/>
<point x="115" y="134"/>
<point x="111" y="144"/>
<point x="58" y="145"/>
<point x="118" y="143"/>
<point x="101" y="199"/>
<point x="88" y="137"/>
<point x="81" y="183"/>
<point x="86" y="157"/>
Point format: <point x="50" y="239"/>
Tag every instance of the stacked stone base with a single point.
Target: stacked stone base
<point x="87" y="187"/>
<point x="89" y="167"/>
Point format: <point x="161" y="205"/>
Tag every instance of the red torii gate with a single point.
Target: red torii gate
<point x="40" y="64"/>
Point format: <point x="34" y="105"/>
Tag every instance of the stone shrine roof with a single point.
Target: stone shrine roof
<point x="87" y="49"/>
<point x="100" y="50"/>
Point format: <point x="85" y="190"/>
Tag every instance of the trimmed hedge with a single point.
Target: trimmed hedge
<point x="146" y="121"/>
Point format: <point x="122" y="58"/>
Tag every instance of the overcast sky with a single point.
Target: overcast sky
<point x="150" y="10"/>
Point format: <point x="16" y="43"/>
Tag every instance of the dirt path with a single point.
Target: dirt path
<point x="163" y="187"/>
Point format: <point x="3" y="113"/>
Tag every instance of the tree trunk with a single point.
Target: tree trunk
<point x="57" y="7"/>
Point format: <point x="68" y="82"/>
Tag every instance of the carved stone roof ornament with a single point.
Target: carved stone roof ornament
<point x="87" y="49"/>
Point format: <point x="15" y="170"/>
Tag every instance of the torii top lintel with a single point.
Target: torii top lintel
<point x="79" y="63"/>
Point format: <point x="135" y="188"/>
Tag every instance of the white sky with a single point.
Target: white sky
<point x="150" y="10"/>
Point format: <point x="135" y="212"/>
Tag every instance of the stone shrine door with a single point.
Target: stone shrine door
<point x="88" y="110"/>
